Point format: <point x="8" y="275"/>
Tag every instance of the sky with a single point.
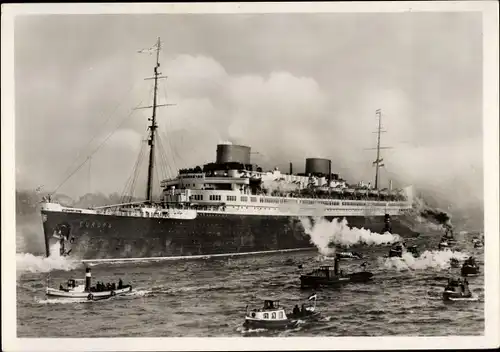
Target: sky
<point x="291" y="86"/>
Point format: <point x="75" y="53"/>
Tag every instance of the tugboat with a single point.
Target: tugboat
<point x="457" y="290"/>
<point x="477" y="243"/>
<point x="398" y="249"/>
<point x="327" y="276"/>
<point x="81" y="288"/>
<point x="470" y="267"/>
<point x="273" y="316"/>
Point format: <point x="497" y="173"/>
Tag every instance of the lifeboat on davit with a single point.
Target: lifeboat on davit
<point x="81" y="288"/>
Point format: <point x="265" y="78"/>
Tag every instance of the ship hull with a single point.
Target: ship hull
<point x="97" y="236"/>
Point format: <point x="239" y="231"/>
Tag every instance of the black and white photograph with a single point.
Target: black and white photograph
<point x="248" y="171"/>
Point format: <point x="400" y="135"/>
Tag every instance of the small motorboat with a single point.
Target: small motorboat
<point x="273" y="316"/>
<point x="414" y="251"/>
<point x="477" y="243"/>
<point x="470" y="267"/>
<point x="81" y="288"/>
<point x="457" y="290"/>
<point x="327" y="275"/>
<point x="443" y="244"/>
<point x="454" y="263"/>
<point x="396" y="250"/>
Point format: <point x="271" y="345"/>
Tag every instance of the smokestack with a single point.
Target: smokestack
<point x="336" y="265"/>
<point x="390" y="185"/>
<point x="291" y="169"/>
<point x="329" y="172"/>
<point x="88" y="279"/>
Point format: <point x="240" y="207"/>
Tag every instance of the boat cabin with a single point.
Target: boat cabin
<point x="325" y="271"/>
<point x="457" y="285"/>
<point x="470" y="261"/>
<point x="271" y="311"/>
<point x="77" y="285"/>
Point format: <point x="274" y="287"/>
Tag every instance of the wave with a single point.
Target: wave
<point x="324" y="233"/>
<point x="27" y="262"/>
<point x="439" y="260"/>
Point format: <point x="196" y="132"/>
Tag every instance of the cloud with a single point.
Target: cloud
<point x="308" y="88"/>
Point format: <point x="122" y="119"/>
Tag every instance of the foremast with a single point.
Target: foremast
<point x="152" y="128"/>
<point x="378" y="163"/>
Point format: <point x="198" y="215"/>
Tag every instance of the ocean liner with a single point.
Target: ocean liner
<point x="227" y="207"/>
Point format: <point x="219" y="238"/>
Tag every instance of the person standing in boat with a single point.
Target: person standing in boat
<point x="120" y="283"/>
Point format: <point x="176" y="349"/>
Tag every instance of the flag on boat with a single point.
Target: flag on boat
<point x="312" y="297"/>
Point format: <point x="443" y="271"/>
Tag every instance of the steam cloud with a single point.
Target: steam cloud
<point x="324" y="233"/>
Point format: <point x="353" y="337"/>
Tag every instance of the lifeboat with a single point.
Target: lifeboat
<point x="331" y="276"/>
<point x="81" y="288"/>
<point x="273" y="316"/>
<point x="457" y="290"/>
<point x="470" y="267"/>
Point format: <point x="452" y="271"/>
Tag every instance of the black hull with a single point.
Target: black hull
<point x="469" y="271"/>
<point x="93" y="236"/>
<point x="307" y="281"/>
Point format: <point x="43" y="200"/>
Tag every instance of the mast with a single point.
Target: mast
<point x="379" y="161"/>
<point x="152" y="128"/>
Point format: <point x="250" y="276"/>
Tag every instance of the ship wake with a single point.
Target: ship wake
<point x="29" y="263"/>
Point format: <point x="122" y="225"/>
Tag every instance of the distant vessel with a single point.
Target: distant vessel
<point x="228" y="207"/>
<point x="457" y="290"/>
<point x="470" y="267"/>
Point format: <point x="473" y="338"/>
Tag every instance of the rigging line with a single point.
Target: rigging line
<point x="169" y="122"/>
<point x="159" y="157"/>
<point x="173" y="151"/>
<point x="95" y="150"/>
<point x="162" y="153"/>
<point x="174" y="166"/>
<point x="99" y="128"/>
<point x="129" y="180"/>
<point x="166" y="167"/>
<point x="136" y="172"/>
